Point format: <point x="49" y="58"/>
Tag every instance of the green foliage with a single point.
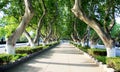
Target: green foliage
<point x="9" y="24"/>
<point x="101" y="59"/>
<point x="51" y="44"/>
<point x="7" y="58"/>
<point x="18" y="56"/>
<point x="2" y="32"/>
<point x="115" y="31"/>
<point x="114" y="62"/>
<point x="3" y="3"/>
<point x="85" y="49"/>
<point x="97" y="52"/>
<point x="28" y="49"/>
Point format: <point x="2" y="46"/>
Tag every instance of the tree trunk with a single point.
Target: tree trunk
<point x="93" y="40"/>
<point x="11" y="41"/>
<point x="73" y="38"/>
<point x="76" y="32"/>
<point x="50" y="32"/>
<point x="93" y="23"/>
<point x="40" y="23"/>
<point x="82" y="43"/>
<point x="46" y="39"/>
<point x="93" y="44"/>
<point x="83" y="40"/>
<point x="30" y="40"/>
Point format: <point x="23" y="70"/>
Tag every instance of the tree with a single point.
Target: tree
<point x="11" y="41"/>
<point x="93" y="20"/>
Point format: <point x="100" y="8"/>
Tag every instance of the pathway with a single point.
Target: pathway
<point x="63" y="58"/>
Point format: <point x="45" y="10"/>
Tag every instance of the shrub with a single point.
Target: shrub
<point x="37" y="48"/>
<point x="7" y="58"/>
<point x="22" y="50"/>
<point x="85" y="49"/>
<point x="28" y="49"/>
<point x="94" y="52"/>
<point x="17" y="56"/>
<point x="114" y="62"/>
<point x="101" y="59"/>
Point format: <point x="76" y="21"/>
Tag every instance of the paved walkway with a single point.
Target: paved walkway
<point x="63" y="58"/>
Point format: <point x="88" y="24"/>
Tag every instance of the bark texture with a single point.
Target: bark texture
<point x="36" y="39"/>
<point x="93" y="23"/>
<point x="11" y="41"/>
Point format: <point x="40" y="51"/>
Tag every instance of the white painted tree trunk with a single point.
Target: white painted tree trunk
<point x="105" y="36"/>
<point x="78" y="43"/>
<point x="11" y="41"/>
<point x="111" y="52"/>
<point x="10" y="49"/>
<point x="27" y="35"/>
<point x="83" y="44"/>
<point x="43" y="44"/>
<point x="92" y="46"/>
<point x="32" y="44"/>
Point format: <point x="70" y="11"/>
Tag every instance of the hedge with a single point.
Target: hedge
<point x="101" y="59"/>
<point x="29" y="50"/>
<point x="85" y="49"/>
<point x="97" y="52"/>
<point x="7" y="58"/>
<point x="114" y="62"/>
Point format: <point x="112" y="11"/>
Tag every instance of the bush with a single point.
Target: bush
<point x="114" y="62"/>
<point x="22" y="50"/>
<point x="28" y="49"/>
<point x="17" y="56"/>
<point x="37" y="48"/>
<point x="101" y="59"/>
<point x="85" y="49"/>
<point x="97" y="52"/>
<point x="7" y="58"/>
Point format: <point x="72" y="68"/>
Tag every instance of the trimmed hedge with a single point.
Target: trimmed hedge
<point x="28" y="49"/>
<point x="97" y="52"/>
<point x="85" y="49"/>
<point x="114" y="62"/>
<point x="101" y="59"/>
<point x="7" y="58"/>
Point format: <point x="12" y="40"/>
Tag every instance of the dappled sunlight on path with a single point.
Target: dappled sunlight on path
<point x="63" y="58"/>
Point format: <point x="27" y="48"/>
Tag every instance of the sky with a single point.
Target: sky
<point x="1" y="14"/>
<point x="118" y="20"/>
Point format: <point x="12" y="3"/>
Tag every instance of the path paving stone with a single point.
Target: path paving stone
<point x="63" y="58"/>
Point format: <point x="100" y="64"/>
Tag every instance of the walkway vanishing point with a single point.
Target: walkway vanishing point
<point x="63" y="58"/>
